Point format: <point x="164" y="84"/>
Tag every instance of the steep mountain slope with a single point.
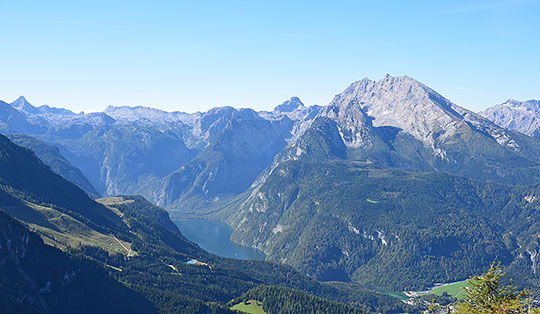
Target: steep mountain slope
<point x="399" y="122"/>
<point x="11" y="119"/>
<point x="23" y="175"/>
<point x="136" y="240"/>
<point x="129" y="155"/>
<point x="335" y="205"/>
<point x="143" y="150"/>
<point x="37" y="278"/>
<point x="295" y="110"/>
<point x="241" y="143"/>
<point x="160" y="267"/>
<point x="340" y="221"/>
<point x="51" y="156"/>
<point x="521" y="116"/>
<point x="245" y="145"/>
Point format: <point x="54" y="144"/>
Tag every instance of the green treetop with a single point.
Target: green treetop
<point x="487" y="295"/>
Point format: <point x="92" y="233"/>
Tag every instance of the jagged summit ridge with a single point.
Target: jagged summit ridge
<point x="23" y="105"/>
<point x="404" y="103"/>
<point x="148" y="115"/>
<point x="20" y="100"/>
<point x="522" y="116"/>
<point x="408" y="105"/>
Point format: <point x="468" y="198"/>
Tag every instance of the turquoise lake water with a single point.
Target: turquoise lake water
<point x="215" y="238"/>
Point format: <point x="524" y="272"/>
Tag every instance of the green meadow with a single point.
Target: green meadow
<point x="455" y="289"/>
<point x="251" y="306"/>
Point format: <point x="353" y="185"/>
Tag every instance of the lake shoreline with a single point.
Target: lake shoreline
<point x="215" y="237"/>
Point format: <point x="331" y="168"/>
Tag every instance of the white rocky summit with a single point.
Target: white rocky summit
<point x="408" y="105"/>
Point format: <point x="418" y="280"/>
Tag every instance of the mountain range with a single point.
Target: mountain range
<point x="393" y="178"/>
<point x="170" y="158"/>
<point x="401" y="123"/>
<point x="389" y="178"/>
<point x="62" y="252"/>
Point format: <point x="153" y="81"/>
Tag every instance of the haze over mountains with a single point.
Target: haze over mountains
<point x="107" y="147"/>
<point x="51" y="156"/>
<point x="522" y="116"/>
<point x="167" y="157"/>
<point x="195" y="162"/>
<point x="427" y="117"/>
<point x="390" y="177"/>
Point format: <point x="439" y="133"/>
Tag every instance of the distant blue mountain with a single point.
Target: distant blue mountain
<point x="183" y="161"/>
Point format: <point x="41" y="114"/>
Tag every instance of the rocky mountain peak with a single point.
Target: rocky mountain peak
<point x="23" y="105"/>
<point x="522" y="116"/>
<point x="290" y="105"/>
<point x="400" y="102"/>
<point x="407" y="105"/>
<point x="20" y="100"/>
<point x="511" y="101"/>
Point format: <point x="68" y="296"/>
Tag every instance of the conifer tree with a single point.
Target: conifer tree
<point x="488" y="295"/>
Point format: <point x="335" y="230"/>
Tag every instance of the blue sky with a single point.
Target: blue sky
<point x="194" y="55"/>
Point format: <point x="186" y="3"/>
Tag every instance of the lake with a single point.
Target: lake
<point x="215" y="237"/>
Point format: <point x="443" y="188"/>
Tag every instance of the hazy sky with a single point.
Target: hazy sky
<point x="194" y="55"/>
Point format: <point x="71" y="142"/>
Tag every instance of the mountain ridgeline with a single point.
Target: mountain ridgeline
<point x="122" y="254"/>
<point x="522" y="116"/>
<point x="186" y="162"/>
<point x="401" y="123"/>
<point x="51" y="156"/>
<point x="390" y="178"/>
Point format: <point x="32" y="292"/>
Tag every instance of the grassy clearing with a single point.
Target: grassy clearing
<point x="454" y="289"/>
<point x="111" y="201"/>
<point x="60" y="230"/>
<point x="395" y="294"/>
<point x="251" y="306"/>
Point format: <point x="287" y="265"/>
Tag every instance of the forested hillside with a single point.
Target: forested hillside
<point x="387" y="228"/>
<point x="37" y="278"/>
<point x="136" y="243"/>
<point x="51" y="156"/>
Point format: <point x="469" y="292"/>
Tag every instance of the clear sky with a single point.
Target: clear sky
<point x="194" y="55"/>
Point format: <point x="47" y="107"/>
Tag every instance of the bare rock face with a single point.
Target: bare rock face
<point x="290" y="105"/>
<point x="293" y="109"/>
<point x="353" y="123"/>
<point x="51" y="156"/>
<point x="398" y="122"/>
<point x="408" y="105"/>
<point x="521" y="116"/>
